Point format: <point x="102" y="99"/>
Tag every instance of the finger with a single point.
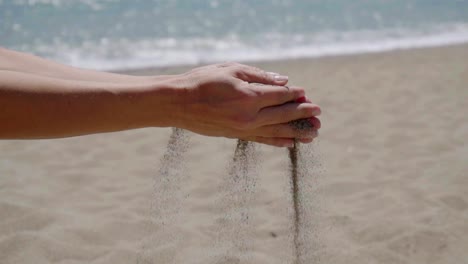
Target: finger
<point x="285" y="131"/>
<point x="276" y="142"/>
<point x="303" y="99"/>
<point x="255" y="75"/>
<point x="270" y="95"/>
<point x="315" y="122"/>
<point x="287" y="112"/>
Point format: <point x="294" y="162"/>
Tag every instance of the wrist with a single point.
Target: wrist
<point x="156" y="102"/>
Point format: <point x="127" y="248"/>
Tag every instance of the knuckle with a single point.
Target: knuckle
<point x="262" y="75"/>
<point x="243" y="85"/>
<point x="258" y="92"/>
<point x="253" y="69"/>
<point x="298" y="91"/>
<point x="241" y="68"/>
<point x="227" y="64"/>
<point x="250" y="94"/>
<point x="227" y="81"/>
<point x="259" y="89"/>
<point x="282" y="93"/>
<point x="307" y="110"/>
<point x="247" y="96"/>
<point x="246" y="67"/>
<point x="221" y="82"/>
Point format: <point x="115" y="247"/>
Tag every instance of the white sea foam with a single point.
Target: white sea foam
<point x="94" y="4"/>
<point x="126" y="54"/>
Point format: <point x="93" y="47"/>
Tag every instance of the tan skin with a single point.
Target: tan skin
<point x="44" y="99"/>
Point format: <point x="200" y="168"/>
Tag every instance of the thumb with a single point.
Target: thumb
<point x="255" y="75"/>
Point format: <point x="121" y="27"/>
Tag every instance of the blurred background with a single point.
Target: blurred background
<point x="117" y="34"/>
<point x="387" y="179"/>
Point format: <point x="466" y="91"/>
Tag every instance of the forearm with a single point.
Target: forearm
<point x="33" y="106"/>
<point x="22" y="62"/>
<point x="229" y="100"/>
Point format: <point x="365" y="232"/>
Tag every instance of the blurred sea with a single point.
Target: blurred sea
<point x="118" y="34"/>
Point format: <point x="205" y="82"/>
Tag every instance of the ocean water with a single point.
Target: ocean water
<point x="116" y="34"/>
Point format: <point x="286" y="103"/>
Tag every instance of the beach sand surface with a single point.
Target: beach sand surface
<point x="388" y="183"/>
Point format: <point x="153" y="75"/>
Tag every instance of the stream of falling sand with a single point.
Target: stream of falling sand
<point x="233" y="244"/>
<point x="166" y="202"/>
<point x="297" y="214"/>
<point x="303" y="166"/>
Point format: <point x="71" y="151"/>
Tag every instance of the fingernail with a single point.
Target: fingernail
<point x="301" y="99"/>
<point x="316" y="112"/>
<point x="281" y="78"/>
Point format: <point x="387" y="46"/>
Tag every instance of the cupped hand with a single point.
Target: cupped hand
<point x="239" y="101"/>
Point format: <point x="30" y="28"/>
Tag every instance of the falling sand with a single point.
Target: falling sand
<point x="299" y="171"/>
<point x="293" y="152"/>
<point x="232" y="243"/>
<point x="241" y="186"/>
<point x="166" y="204"/>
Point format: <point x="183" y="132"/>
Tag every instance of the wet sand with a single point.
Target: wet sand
<point x="390" y="185"/>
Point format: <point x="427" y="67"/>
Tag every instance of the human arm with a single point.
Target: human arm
<point x="22" y="62"/>
<point x="216" y="100"/>
<point x="35" y="106"/>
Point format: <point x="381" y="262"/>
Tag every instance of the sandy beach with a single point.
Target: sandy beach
<point x="389" y="179"/>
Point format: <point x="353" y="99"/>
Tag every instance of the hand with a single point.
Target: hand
<point x="239" y="101"/>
